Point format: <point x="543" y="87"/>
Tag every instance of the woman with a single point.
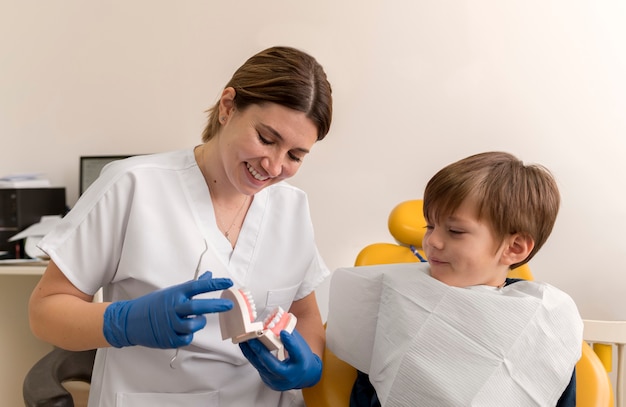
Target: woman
<point x="147" y="227"/>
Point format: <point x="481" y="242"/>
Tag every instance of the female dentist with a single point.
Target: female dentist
<point x="150" y="226"/>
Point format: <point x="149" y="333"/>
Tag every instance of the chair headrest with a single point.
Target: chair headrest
<point x="407" y="224"/>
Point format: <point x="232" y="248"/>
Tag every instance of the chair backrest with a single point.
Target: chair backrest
<point x="333" y="389"/>
<point x="593" y="387"/>
<point x="605" y="336"/>
<point x="407" y="226"/>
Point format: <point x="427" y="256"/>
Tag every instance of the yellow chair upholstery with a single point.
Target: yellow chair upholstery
<point x="407" y="226"/>
<point x="333" y="389"/>
<point x="592" y="390"/>
<point x="606" y="336"/>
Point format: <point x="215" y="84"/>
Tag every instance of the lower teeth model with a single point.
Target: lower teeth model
<point x="240" y="323"/>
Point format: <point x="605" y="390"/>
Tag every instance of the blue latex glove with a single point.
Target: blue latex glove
<point x="166" y="318"/>
<point x="301" y="369"/>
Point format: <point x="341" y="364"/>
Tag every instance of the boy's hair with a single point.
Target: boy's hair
<point x="511" y="197"/>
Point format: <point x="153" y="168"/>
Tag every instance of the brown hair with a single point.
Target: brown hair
<point x="512" y="197"/>
<point x="282" y="75"/>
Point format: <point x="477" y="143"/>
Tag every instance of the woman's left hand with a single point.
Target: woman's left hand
<point x="301" y="369"/>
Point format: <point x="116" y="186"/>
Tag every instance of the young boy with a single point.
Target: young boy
<point x="455" y="331"/>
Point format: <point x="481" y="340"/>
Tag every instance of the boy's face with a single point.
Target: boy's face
<point x="463" y="251"/>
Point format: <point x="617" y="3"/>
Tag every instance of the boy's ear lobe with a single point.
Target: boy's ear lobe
<point x="518" y="248"/>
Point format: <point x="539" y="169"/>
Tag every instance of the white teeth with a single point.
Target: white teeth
<point x="250" y="302"/>
<point x="271" y="321"/>
<point x="255" y="174"/>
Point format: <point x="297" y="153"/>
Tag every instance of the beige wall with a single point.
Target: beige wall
<point x="417" y="84"/>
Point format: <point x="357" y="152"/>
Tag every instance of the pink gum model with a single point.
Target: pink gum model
<point x="239" y="323"/>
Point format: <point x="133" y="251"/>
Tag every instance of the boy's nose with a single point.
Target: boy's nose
<point x="433" y="239"/>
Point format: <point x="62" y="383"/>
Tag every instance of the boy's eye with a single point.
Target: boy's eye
<point x="456" y="231"/>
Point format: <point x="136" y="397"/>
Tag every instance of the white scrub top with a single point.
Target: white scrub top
<point x="141" y="227"/>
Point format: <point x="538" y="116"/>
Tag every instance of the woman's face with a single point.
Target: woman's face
<point x="264" y="144"/>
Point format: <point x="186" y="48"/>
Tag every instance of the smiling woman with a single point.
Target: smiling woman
<point x="257" y="147"/>
<point x="225" y="202"/>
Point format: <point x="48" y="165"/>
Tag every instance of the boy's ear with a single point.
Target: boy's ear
<point x="518" y="247"/>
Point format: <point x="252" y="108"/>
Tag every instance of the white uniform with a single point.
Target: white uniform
<point x="140" y="227"/>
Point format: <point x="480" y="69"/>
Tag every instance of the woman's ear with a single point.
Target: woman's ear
<point x="227" y="103"/>
<point x="517" y="248"/>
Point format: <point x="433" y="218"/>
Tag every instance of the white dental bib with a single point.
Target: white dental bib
<point x="425" y="343"/>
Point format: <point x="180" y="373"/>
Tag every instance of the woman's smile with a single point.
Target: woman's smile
<point x="255" y="174"/>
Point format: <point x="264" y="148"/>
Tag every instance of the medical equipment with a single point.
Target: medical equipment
<point x="195" y="277"/>
<point x="21" y="208"/>
<point x="239" y="323"/>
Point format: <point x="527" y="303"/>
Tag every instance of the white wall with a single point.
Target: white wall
<point x="417" y="84"/>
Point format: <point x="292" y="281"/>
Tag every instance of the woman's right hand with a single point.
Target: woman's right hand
<point x="166" y="318"/>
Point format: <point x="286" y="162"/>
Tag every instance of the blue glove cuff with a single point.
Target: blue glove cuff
<point x="114" y="323"/>
<point x="314" y="373"/>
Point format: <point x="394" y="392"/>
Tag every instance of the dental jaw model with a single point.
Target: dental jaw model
<point x="240" y="323"/>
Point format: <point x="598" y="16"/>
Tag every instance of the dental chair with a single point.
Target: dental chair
<point x="43" y="384"/>
<point x="407" y="226"/>
<point x="604" y="337"/>
<point x="47" y="383"/>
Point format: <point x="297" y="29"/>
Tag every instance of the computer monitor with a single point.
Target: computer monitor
<point x="90" y="167"/>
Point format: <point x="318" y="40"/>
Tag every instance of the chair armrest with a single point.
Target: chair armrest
<point x="43" y="384"/>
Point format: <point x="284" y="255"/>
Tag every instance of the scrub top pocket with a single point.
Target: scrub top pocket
<point x="283" y="297"/>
